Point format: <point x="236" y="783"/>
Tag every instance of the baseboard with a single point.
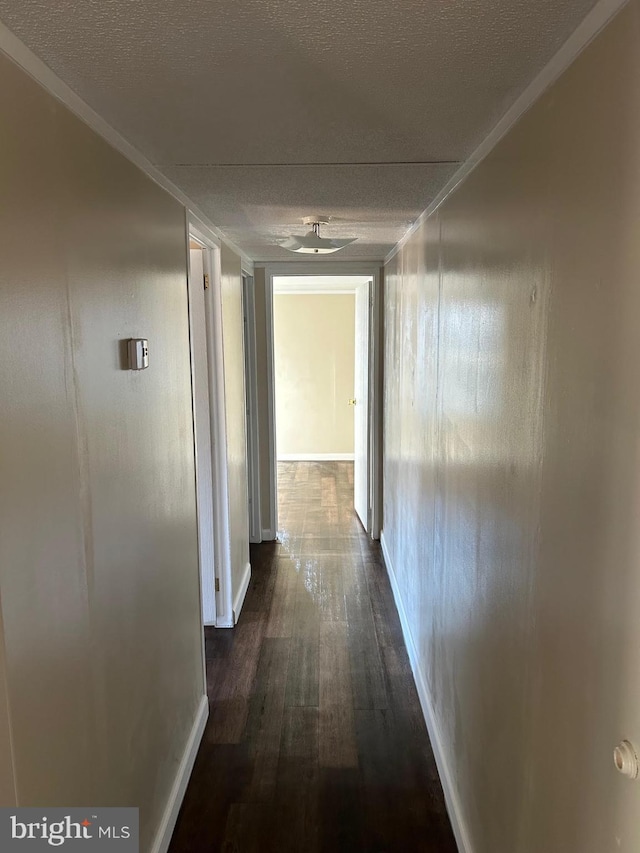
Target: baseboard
<point x="170" y="815"/>
<point x="241" y="593"/>
<point x="316" y="457"/>
<point x="269" y="535"/>
<point x="452" y="799"/>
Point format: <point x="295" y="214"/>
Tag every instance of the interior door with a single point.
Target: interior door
<point x="361" y="411"/>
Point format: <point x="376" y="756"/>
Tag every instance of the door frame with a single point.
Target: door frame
<point x="201" y="416"/>
<point x="251" y="386"/>
<point x="197" y="230"/>
<point x="374" y="416"/>
<point x="356" y="393"/>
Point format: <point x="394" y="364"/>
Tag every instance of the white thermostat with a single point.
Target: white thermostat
<point x="138" y="349"/>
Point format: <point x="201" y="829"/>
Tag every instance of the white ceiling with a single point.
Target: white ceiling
<point x="265" y="112"/>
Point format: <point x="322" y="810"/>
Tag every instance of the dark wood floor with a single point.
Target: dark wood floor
<point x="315" y="741"/>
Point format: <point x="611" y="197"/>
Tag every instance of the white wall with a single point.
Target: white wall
<point x="314" y="349"/>
<point x="512" y="483"/>
<point x="101" y="671"/>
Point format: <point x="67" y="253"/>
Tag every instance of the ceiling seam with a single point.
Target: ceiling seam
<point x="307" y="165"/>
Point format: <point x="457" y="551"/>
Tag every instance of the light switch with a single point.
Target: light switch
<point x="138" y="350"/>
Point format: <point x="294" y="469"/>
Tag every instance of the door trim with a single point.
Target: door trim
<point x="251" y="385"/>
<point x="201" y="416"/>
<point x="328" y="268"/>
<point x="220" y="475"/>
<point x="365" y="292"/>
<point x="270" y="534"/>
<point x="376" y="393"/>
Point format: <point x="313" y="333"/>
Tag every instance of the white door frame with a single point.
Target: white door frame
<point x="251" y="385"/>
<point x="201" y="430"/>
<point x="331" y="268"/>
<point x="362" y="376"/>
<point x="215" y="358"/>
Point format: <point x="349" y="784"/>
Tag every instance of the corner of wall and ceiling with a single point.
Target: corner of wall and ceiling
<point x="580" y="38"/>
<point x="593" y="23"/>
<point x="26" y="59"/>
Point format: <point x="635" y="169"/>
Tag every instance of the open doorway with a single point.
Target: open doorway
<point x="324" y="379"/>
<point x="319" y="417"/>
<point x="208" y="402"/>
<point x="198" y="280"/>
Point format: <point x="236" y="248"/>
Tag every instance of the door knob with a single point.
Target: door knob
<point x="625" y="758"/>
<point x="352" y="402"/>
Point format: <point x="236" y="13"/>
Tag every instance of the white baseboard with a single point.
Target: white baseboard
<point x="316" y="457"/>
<point x="241" y="593"/>
<point x="170" y="814"/>
<point x="269" y="535"/>
<point x="452" y="799"/>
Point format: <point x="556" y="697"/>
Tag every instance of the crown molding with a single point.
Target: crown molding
<point x="18" y="52"/>
<point x="594" y="22"/>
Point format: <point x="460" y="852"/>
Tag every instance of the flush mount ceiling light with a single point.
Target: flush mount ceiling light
<point x="312" y="243"/>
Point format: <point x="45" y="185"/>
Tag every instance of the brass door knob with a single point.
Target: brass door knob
<point x="352" y="402"/>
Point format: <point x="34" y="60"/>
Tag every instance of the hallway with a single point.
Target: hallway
<point x="316" y="740"/>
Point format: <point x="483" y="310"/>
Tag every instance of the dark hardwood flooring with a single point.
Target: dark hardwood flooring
<point x="316" y="740"/>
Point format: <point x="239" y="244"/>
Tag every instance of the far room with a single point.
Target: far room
<point x="321" y="365"/>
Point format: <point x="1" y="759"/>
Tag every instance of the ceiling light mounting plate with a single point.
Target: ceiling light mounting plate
<point x="316" y="220"/>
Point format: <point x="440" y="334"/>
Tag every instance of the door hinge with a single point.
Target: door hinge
<point x="206" y="281"/>
<point x="217" y="584"/>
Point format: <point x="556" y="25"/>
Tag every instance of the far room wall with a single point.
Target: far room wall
<point x="314" y="349"/>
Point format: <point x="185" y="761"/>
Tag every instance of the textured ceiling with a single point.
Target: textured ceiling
<point x="256" y="206"/>
<point x="223" y="84"/>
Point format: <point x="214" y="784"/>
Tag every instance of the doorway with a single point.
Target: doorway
<point x="198" y="274"/>
<point x="333" y="323"/>
<point x="208" y="403"/>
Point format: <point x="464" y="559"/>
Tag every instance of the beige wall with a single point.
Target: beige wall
<point x="512" y="485"/>
<point x="314" y="354"/>
<point x="233" y="338"/>
<point x="98" y="552"/>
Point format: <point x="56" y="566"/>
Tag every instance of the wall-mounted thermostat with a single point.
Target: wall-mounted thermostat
<point x="138" y="350"/>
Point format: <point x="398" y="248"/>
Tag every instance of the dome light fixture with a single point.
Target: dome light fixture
<point x="312" y="243"/>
